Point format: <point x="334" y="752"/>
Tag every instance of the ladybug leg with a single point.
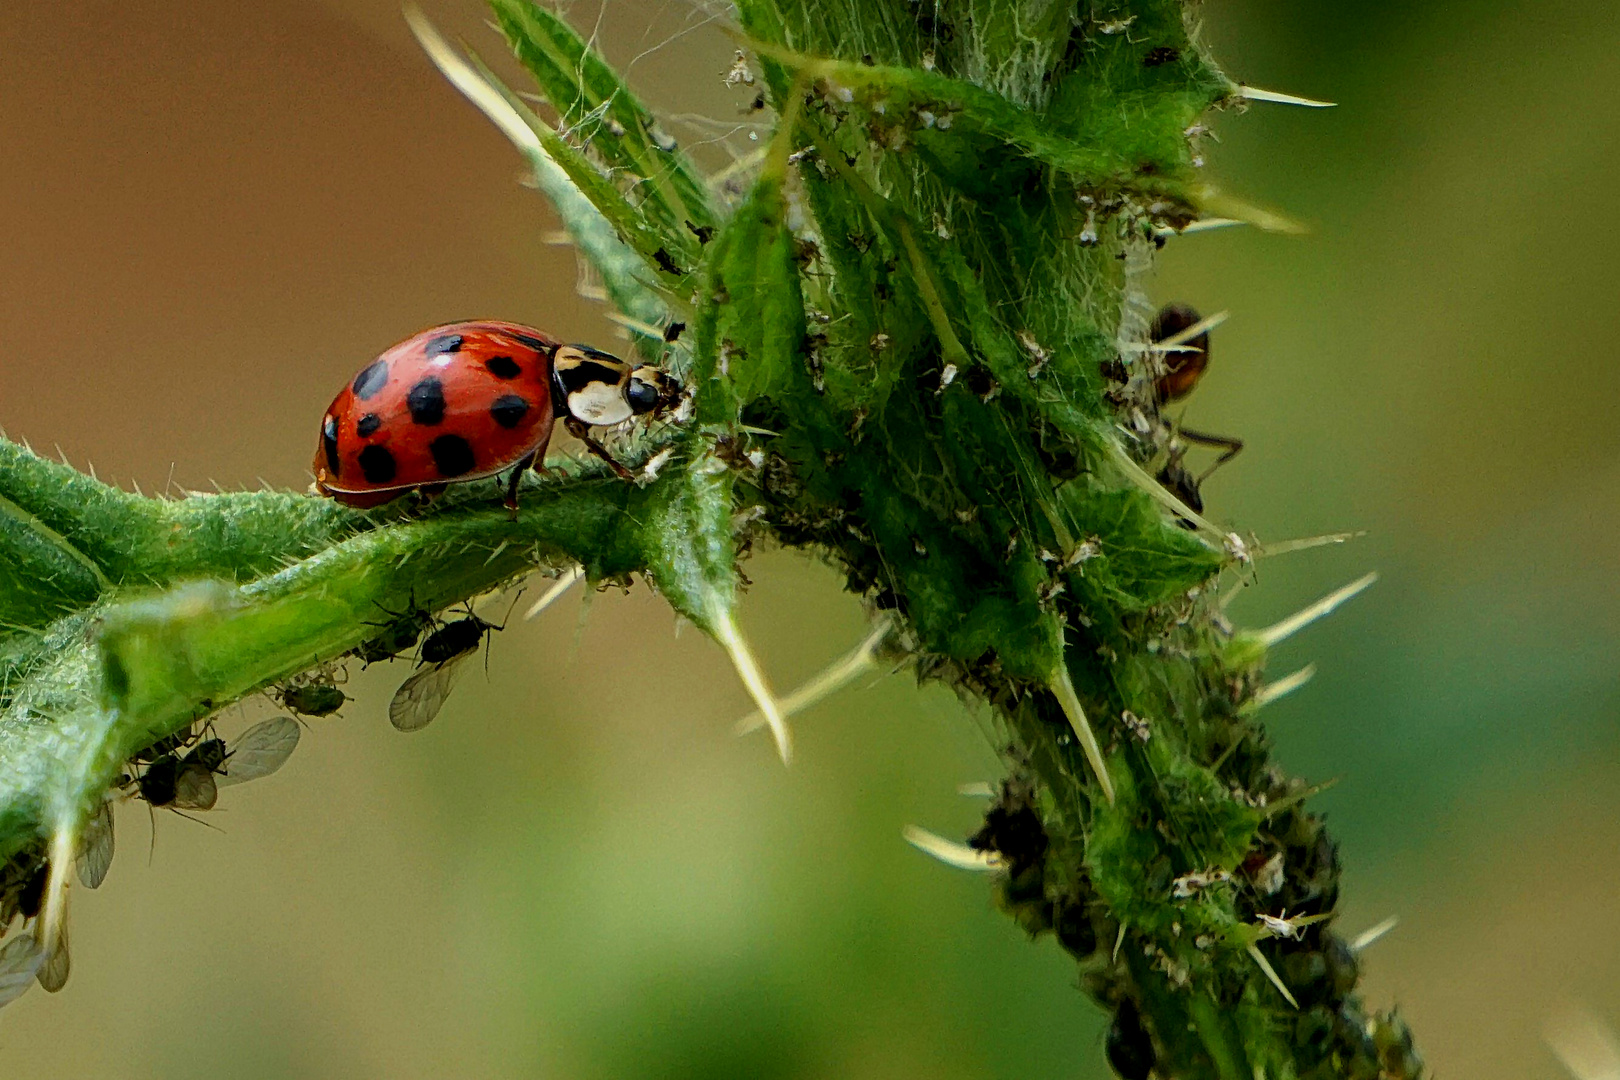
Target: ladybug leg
<point x="579" y="430"/>
<point x="511" y="502"/>
<point x="1228" y="445"/>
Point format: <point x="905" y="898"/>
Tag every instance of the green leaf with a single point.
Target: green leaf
<point x="598" y="110"/>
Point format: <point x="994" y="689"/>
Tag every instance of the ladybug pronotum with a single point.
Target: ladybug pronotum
<point x="468" y="400"/>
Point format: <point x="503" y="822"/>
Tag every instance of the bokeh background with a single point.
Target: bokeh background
<point x="211" y="214"/>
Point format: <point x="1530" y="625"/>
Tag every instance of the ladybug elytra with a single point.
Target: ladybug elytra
<point x="468" y="400"/>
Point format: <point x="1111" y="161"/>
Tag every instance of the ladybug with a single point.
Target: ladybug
<point x="469" y="400"/>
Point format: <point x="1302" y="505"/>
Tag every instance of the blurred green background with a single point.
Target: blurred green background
<point x="213" y="214"/>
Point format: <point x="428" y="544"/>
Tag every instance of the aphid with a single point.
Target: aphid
<point x="421" y="696"/>
<point x="259" y="751"/>
<point x="183" y="783"/>
<point x="399" y="635"/>
<point x="96" y="847"/>
<point x="32" y="896"/>
<point x="56" y="962"/>
<point x="315" y="694"/>
<point x="469" y="400"/>
<point x="192" y="781"/>
<point x="20" y="962"/>
<point x="168" y="745"/>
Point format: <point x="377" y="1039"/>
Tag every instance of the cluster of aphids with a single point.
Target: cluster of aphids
<point x="443" y="650"/>
<point x="181" y="772"/>
<point x="1172" y="364"/>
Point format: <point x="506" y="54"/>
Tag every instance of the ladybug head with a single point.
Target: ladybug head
<point x="600" y="389"/>
<point x="651" y="390"/>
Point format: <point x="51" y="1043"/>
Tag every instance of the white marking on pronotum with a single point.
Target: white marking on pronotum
<point x="949" y="852"/>
<point x="1063" y="687"/>
<point x="742" y="658"/>
<point x="1373" y="935"/>
<point x="1254" y="93"/>
<point x="565" y="581"/>
<point x="833" y="678"/>
<point x="978" y="789"/>
<point x="600" y="404"/>
<point x="1585" y="1045"/>
<point x="1321" y="609"/>
<point x="1283" y="686"/>
<point x="1270" y="973"/>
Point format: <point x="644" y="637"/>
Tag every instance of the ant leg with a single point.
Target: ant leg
<point x="1229" y="446"/>
<point x="510" y="501"/>
<point x="579" y="430"/>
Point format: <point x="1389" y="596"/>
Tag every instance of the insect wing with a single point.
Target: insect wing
<point x="53" y="972"/>
<point x="421" y="696"/>
<point x="262" y="749"/>
<point x="96" y="847"/>
<point x="20" y="962"/>
<point x="194" y="787"/>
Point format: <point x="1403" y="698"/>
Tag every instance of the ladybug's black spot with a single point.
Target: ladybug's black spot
<point x="444" y="343"/>
<point x="452" y="455"/>
<point x="509" y="410"/>
<point x="503" y="367"/>
<point x="426" y="401"/>
<point x="367" y="426"/>
<point x="371" y="380"/>
<point x="377" y="464"/>
<point x="329" y="444"/>
<point x="532" y="342"/>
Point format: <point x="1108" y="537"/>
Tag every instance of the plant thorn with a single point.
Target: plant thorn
<point x="1270" y="973"/>
<point x="1324" y="607"/>
<point x="1282" y="687"/>
<point x="1063" y="687"/>
<point x="831" y="679"/>
<point x="1374" y="934"/>
<point x="742" y="658"/>
<point x="565" y="581"/>
<point x="1254" y="93"/>
<point x="949" y="852"/>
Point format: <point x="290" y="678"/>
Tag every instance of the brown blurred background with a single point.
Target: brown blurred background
<point x="212" y="214"/>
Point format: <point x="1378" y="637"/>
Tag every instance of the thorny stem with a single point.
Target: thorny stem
<point x="916" y="347"/>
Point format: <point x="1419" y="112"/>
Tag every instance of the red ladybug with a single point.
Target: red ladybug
<point x="468" y="400"/>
